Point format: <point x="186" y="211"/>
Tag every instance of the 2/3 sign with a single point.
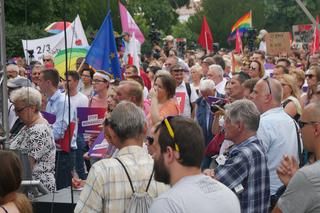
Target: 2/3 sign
<point x="43" y="49"/>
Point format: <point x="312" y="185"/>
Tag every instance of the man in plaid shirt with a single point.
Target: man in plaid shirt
<point x="245" y="169"/>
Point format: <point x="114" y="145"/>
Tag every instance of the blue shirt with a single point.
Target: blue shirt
<point x="246" y="165"/>
<point x="57" y="104"/>
<point x="278" y="135"/>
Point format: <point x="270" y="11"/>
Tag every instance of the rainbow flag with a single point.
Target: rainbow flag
<point x="243" y="23"/>
<point x="56" y="27"/>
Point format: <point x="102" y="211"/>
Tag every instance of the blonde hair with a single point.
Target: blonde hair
<point x="292" y="83"/>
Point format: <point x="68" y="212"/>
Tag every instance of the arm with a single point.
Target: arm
<point x="193" y="110"/>
<point x="91" y="197"/>
<point x="154" y="110"/>
<point x="290" y="109"/>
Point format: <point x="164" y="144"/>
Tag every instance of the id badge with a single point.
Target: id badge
<point x="221" y="159"/>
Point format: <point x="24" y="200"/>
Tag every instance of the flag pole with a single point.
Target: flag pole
<point x="251" y="18"/>
<point x="205" y="37"/>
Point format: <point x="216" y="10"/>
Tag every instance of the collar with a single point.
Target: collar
<point x="129" y="150"/>
<point x="55" y="96"/>
<point x="271" y="111"/>
<point x="244" y="143"/>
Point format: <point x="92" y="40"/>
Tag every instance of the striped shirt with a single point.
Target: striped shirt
<point x="107" y="188"/>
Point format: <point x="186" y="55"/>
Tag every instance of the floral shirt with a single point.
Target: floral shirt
<point x="38" y="141"/>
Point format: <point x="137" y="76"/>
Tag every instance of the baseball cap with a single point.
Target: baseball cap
<point x="168" y="38"/>
<point x="262" y="33"/>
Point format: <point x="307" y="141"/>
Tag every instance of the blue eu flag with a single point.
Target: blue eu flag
<point x="102" y="54"/>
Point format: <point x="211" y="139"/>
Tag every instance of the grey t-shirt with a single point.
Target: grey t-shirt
<point x="303" y="191"/>
<point x="198" y="193"/>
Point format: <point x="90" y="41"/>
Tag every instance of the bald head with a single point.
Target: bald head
<point x="310" y="128"/>
<point x="267" y="94"/>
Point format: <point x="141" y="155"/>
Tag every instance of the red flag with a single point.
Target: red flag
<point x="238" y="42"/>
<point x="316" y="34"/>
<point x="205" y="38"/>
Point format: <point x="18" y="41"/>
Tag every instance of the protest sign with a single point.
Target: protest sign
<point x="90" y="119"/>
<point x="101" y="148"/>
<point x="278" y="42"/>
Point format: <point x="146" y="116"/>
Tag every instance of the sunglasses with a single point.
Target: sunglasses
<point x="166" y="123"/>
<point x="309" y="75"/>
<point x="253" y="68"/>
<point x="46" y="59"/>
<point x="302" y="123"/>
<point x="266" y="79"/>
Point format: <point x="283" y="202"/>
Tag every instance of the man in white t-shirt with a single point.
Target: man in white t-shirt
<point x="185" y="93"/>
<point x="77" y="99"/>
<point x="179" y="145"/>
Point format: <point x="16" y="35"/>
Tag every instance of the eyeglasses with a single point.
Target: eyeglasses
<point x="266" y="79"/>
<point x="170" y="131"/>
<point x="309" y="75"/>
<point x="97" y="81"/>
<point x="302" y="123"/>
<point x="86" y="76"/>
<point x="46" y="59"/>
<point x="20" y="110"/>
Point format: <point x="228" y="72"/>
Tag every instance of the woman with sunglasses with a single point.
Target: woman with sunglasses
<point x="290" y="96"/>
<point x="256" y="69"/>
<point x="313" y="77"/>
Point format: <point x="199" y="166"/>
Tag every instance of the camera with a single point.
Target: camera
<point x="218" y="105"/>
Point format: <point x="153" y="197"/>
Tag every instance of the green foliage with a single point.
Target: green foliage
<point x="15" y="34"/>
<point x="181" y="30"/>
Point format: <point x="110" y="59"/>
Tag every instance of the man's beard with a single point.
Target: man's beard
<point x="161" y="174"/>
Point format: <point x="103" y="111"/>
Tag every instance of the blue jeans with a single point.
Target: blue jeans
<point x="79" y="161"/>
<point x="64" y="165"/>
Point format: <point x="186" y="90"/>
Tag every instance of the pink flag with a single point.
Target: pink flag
<point x="238" y="42"/>
<point x="128" y="24"/>
<point x="316" y="34"/>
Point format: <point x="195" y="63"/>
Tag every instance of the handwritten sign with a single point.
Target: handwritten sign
<point x="278" y="43"/>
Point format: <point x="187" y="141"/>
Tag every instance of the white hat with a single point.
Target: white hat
<point x="18" y="82"/>
<point x="262" y="33"/>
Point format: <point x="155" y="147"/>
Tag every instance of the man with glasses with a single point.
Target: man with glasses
<point x="302" y="192"/>
<point x="179" y="146"/>
<point x="277" y="129"/>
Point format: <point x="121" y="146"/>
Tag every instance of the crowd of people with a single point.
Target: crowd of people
<point x="223" y="131"/>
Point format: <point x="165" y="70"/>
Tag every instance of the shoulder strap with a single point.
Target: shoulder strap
<point x="4" y="209"/>
<point x="126" y="173"/>
<point x="150" y="180"/>
<point x="189" y="93"/>
<point x="300" y="154"/>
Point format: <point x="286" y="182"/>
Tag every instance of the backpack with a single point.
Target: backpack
<point x="139" y="202"/>
<point x="189" y="94"/>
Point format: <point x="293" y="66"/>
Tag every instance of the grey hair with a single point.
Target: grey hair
<point x="244" y="111"/>
<point x="14" y="67"/>
<point x="276" y="89"/>
<point x="207" y="84"/>
<point x="127" y="121"/>
<point x="216" y="68"/>
<point x="28" y="96"/>
<point x="162" y="72"/>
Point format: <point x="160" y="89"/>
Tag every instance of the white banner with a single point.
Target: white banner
<point x="53" y="44"/>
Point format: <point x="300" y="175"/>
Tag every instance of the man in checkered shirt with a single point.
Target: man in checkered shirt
<point x="244" y="169"/>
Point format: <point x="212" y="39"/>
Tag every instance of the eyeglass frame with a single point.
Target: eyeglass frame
<point x="268" y="83"/>
<point x="166" y="123"/>
<point x="301" y="123"/>
<point x="21" y="109"/>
